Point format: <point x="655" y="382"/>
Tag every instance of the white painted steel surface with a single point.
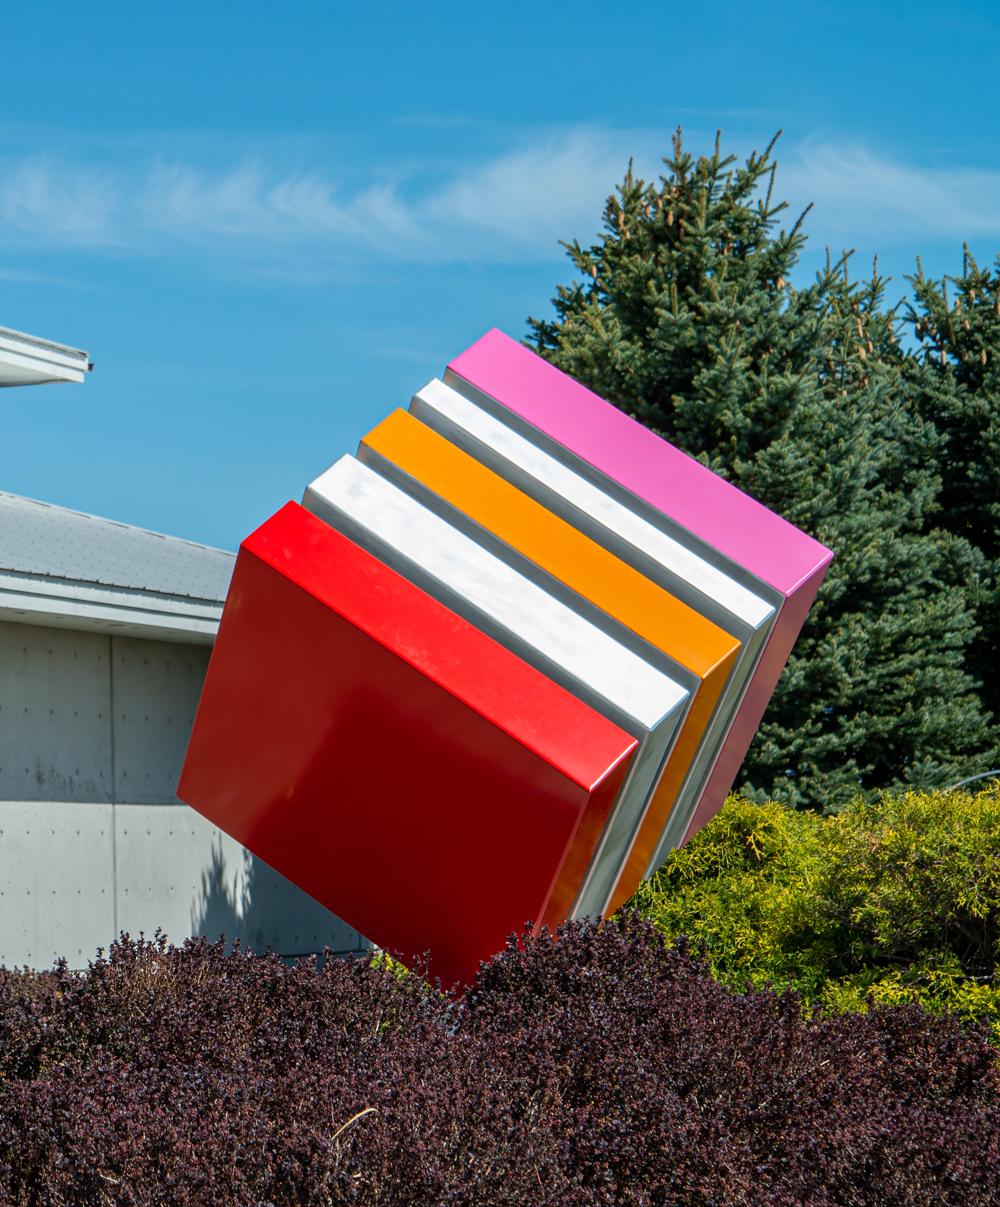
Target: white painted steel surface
<point x="437" y="403"/>
<point x="683" y="571"/>
<point x="349" y="493"/>
<point x="514" y="610"/>
<point x="524" y="565"/>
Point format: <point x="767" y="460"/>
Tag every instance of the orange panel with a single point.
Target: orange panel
<point x="599" y="577"/>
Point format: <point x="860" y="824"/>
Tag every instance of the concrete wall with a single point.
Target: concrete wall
<point x="93" y="840"/>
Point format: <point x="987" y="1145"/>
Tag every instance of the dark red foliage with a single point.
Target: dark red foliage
<point x="601" y="1068"/>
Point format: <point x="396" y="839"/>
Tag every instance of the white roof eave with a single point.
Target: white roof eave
<point x="67" y="568"/>
<point x="26" y="360"/>
<point x="28" y="600"/>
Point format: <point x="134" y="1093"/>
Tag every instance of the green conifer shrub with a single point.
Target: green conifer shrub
<point x="956" y="376"/>
<point x="897" y="901"/>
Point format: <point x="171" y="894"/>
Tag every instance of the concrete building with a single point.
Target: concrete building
<point x="105" y="634"/>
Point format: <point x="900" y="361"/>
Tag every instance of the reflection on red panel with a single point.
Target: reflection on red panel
<point x="410" y="773"/>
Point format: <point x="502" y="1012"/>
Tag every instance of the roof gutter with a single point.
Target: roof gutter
<point x="63" y="603"/>
<point x="26" y="360"/>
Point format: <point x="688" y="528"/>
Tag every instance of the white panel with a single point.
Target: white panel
<point x="156" y="686"/>
<point x="55" y="724"/>
<point x="533" y="464"/>
<point x="522" y="615"/>
<point x="177" y="871"/>
<point x="56" y="882"/>
<point x="672" y="565"/>
<point x="351" y="491"/>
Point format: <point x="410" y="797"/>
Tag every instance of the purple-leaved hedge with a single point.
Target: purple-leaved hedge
<point x="598" y="1068"/>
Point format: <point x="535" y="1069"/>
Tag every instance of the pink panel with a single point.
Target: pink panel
<point x="724" y="517"/>
<point x="755" y="700"/>
<point x="743" y="530"/>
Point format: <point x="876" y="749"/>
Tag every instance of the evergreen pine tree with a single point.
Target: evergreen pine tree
<point x="957" y="379"/>
<point x="684" y="315"/>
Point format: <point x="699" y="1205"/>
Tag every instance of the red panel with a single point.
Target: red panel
<point x="399" y="765"/>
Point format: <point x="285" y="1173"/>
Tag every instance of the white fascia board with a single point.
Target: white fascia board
<point x="26" y="360"/>
<point x="30" y="599"/>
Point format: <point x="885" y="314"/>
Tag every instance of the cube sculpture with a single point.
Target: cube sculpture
<point x="496" y="666"/>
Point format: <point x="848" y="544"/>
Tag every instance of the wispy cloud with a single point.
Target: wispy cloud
<point x="859" y="192"/>
<point x="515" y="205"/>
<point x="25" y="276"/>
<point x="537" y="193"/>
<point x="58" y="203"/>
<point x="512" y="206"/>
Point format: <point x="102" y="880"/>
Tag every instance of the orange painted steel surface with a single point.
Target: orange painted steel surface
<point x="401" y="766"/>
<point x="556" y="547"/>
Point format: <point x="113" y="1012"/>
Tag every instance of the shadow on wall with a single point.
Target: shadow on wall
<point x="242" y="898"/>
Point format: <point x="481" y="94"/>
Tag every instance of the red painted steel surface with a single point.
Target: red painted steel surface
<point x="402" y="767"/>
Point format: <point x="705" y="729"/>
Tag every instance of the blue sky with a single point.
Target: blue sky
<point x="269" y="224"/>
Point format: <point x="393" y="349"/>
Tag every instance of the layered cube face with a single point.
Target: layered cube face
<point x="496" y="666"/>
<point x="594" y="582"/>
<point x="673" y="492"/>
<point x="650" y="704"/>
<point x="678" y="566"/>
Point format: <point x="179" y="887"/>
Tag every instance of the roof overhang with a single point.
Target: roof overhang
<point x="72" y="570"/>
<point x="26" y="360"/>
<point x="34" y="599"/>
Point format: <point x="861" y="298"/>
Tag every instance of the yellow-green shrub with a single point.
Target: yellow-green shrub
<point x="897" y="901"/>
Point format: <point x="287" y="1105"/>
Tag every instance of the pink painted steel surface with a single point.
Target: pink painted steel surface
<point x="776" y="552"/>
<point x="758" y="693"/>
<point x="714" y="510"/>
